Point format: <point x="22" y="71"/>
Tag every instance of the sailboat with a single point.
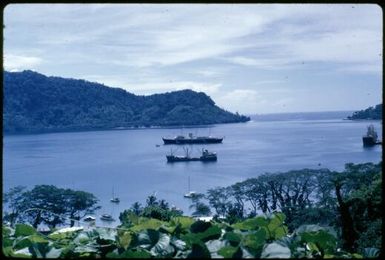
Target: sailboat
<point x="114" y="199"/>
<point x="190" y="194"/>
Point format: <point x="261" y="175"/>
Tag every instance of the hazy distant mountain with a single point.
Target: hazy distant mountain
<point x="36" y="103"/>
<point x="326" y="115"/>
<point x="369" y="113"/>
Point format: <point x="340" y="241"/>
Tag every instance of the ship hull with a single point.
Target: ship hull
<point x="369" y="141"/>
<point x="193" y="141"/>
<point x="172" y="159"/>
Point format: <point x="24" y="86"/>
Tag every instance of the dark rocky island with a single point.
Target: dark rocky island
<point x="36" y="103"/>
<point x="372" y="113"/>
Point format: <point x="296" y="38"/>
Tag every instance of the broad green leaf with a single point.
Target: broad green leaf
<point x="168" y="228"/>
<point x="279" y="232"/>
<point x="275" y="250"/>
<point x="233" y="238"/>
<point x="7" y="251"/>
<point x="246" y="253"/>
<point x="371" y="252"/>
<point x="200" y="226"/>
<point x="185" y="222"/>
<point x="7" y="231"/>
<point x="308" y="228"/>
<point x="82" y="238"/>
<point x="213" y="232"/>
<point x="85" y="249"/>
<point x="54" y="253"/>
<point x="24" y="230"/>
<point x="124" y="239"/>
<point x="228" y="251"/>
<point x="22" y="243"/>
<point x="251" y="224"/>
<point x="7" y="242"/>
<point x="324" y="240"/>
<point x="22" y="253"/>
<point x="254" y="242"/>
<point x="280" y="216"/>
<point x="179" y="244"/>
<point x="65" y="233"/>
<point x="312" y="247"/>
<point x="256" y="238"/>
<point x="162" y="246"/>
<point x="147" y="224"/>
<point x="148" y="238"/>
<point x="214" y="245"/>
<point x="199" y="250"/>
<point x="107" y="234"/>
<point x="36" y="239"/>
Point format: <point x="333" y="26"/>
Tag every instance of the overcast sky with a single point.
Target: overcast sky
<point x="254" y="58"/>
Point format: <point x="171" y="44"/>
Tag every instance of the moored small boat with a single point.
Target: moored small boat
<point x="89" y="218"/>
<point x="106" y="217"/>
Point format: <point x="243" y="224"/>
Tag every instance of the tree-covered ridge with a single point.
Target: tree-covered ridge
<point x="36" y="103"/>
<point x="369" y="113"/>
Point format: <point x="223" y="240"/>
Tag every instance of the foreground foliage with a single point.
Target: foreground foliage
<point x="181" y="237"/>
<point x="349" y="201"/>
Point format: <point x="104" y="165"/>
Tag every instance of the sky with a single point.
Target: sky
<point x="249" y="58"/>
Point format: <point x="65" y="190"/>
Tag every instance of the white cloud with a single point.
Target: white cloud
<point x="155" y="85"/>
<point x="218" y="49"/>
<point x="19" y="63"/>
<point x="240" y="100"/>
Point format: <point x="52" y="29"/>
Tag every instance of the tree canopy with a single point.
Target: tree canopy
<point x="48" y="204"/>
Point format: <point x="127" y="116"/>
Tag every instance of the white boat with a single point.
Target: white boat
<point x="190" y="194"/>
<point x="89" y="218"/>
<point x="106" y="217"/>
<point x="114" y="199"/>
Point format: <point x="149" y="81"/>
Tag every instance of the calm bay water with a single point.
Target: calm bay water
<point x="129" y="161"/>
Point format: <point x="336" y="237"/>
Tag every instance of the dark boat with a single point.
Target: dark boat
<point x="106" y="217"/>
<point x="205" y="157"/>
<point x="181" y="139"/>
<point x="370" y="139"/>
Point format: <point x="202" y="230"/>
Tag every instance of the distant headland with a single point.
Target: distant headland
<point x="373" y="113"/>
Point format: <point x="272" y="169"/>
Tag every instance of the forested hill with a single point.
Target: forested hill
<point x="36" y="103"/>
<point x="369" y="113"/>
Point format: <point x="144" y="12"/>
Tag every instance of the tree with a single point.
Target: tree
<point x="79" y="204"/>
<point x="201" y="209"/>
<point x="136" y="208"/>
<point x="151" y="201"/>
<point x="51" y="205"/>
<point x="16" y="203"/>
<point x="218" y="199"/>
